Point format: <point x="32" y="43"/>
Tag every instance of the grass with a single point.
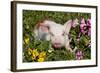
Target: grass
<point x="31" y="18"/>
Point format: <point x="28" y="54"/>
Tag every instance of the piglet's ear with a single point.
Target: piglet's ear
<point x="42" y="26"/>
<point x="67" y="26"/>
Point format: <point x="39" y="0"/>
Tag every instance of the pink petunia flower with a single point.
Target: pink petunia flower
<point x="89" y="25"/>
<point x="82" y="25"/>
<point x="89" y="22"/>
<point x="85" y="26"/>
<point x="79" y="55"/>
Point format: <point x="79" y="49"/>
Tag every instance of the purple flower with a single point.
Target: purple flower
<point x="89" y="25"/>
<point x="79" y="55"/>
<point x="89" y="22"/>
<point x="82" y="25"/>
<point x="85" y="26"/>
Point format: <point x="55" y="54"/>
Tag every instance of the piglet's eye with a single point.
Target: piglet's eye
<point x="63" y="34"/>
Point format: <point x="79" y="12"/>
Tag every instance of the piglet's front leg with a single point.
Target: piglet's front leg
<point x="67" y="46"/>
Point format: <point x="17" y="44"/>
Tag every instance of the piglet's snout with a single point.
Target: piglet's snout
<point x="57" y="42"/>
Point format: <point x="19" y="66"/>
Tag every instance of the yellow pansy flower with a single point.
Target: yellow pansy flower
<point x="35" y="53"/>
<point x="40" y="60"/>
<point x="27" y="40"/>
<point x="42" y="54"/>
<point x="29" y="51"/>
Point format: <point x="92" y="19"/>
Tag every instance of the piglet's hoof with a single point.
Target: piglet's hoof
<point x="70" y="50"/>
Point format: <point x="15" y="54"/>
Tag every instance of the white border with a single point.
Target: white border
<point x="21" y="65"/>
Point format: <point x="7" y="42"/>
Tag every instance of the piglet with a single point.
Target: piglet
<point x="57" y="33"/>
